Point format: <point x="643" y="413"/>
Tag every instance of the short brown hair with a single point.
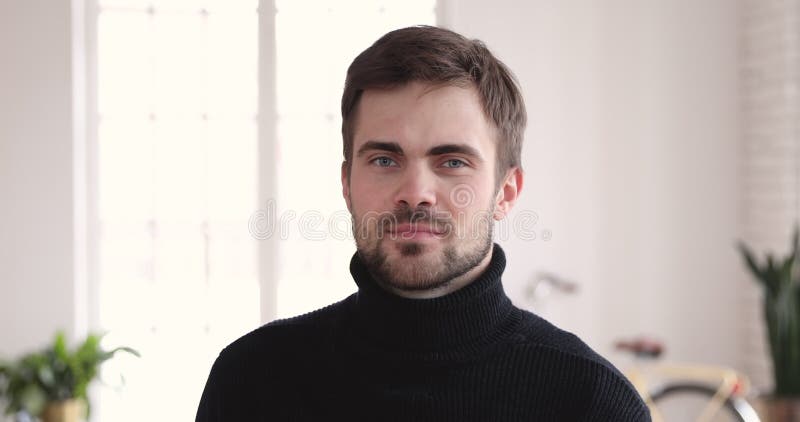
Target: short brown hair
<point x="439" y="56"/>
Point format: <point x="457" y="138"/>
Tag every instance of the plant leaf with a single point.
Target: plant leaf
<point x="127" y="350"/>
<point x="33" y="399"/>
<point x="60" y="346"/>
<point x="747" y="254"/>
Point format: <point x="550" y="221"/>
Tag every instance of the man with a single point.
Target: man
<point x="432" y="130"/>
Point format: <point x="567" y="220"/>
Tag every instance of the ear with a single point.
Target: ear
<point x="346" y="186"/>
<point x="508" y="193"/>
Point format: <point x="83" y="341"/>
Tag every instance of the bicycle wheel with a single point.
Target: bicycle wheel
<point x="685" y="402"/>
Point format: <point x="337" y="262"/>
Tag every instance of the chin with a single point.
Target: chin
<point x="417" y="251"/>
<point x="416" y="280"/>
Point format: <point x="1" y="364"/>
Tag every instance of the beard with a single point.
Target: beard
<point x="417" y="270"/>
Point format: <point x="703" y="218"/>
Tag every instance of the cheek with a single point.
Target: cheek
<point x="469" y="197"/>
<point x="365" y="197"/>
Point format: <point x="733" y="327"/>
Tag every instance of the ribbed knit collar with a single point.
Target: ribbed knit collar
<point x="473" y="314"/>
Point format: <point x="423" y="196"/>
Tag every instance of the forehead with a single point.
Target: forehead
<point x="419" y="115"/>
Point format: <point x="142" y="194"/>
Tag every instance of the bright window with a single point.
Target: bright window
<point x="176" y="183"/>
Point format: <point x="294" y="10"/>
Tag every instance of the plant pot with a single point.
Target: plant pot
<point x="63" y="411"/>
<point x="784" y="409"/>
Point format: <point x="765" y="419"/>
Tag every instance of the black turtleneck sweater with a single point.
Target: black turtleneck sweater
<point x="467" y="356"/>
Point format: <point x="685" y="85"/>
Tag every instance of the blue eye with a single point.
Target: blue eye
<point x="454" y="163"/>
<point x="384" y="162"/>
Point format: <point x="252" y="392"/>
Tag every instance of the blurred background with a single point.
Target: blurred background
<point x="169" y="171"/>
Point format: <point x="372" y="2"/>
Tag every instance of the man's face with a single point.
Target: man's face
<point x="422" y="189"/>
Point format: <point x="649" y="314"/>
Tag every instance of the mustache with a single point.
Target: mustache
<point x="407" y="215"/>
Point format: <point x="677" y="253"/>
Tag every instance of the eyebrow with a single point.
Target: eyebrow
<point x="455" y="149"/>
<point x="395" y="148"/>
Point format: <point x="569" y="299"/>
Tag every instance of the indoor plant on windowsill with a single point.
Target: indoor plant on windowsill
<point x="52" y="383"/>
<point x="780" y="280"/>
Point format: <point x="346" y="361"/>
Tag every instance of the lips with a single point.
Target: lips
<point x="412" y="231"/>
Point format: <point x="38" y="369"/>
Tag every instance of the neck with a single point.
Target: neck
<point x="450" y="287"/>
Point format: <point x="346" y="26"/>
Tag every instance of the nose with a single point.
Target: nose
<point x="416" y="189"/>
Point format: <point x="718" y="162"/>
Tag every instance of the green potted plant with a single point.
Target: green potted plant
<point x="780" y="281"/>
<point x="52" y="383"/>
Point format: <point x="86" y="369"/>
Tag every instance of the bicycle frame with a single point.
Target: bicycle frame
<point x="728" y="384"/>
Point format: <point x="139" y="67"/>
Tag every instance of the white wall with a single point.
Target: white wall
<point x="632" y="162"/>
<point x="771" y="160"/>
<point x="36" y="174"/>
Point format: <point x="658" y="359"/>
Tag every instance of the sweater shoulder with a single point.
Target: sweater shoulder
<point x="537" y="331"/>
<point x="267" y="362"/>
<point x="607" y="393"/>
<point x="277" y="336"/>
